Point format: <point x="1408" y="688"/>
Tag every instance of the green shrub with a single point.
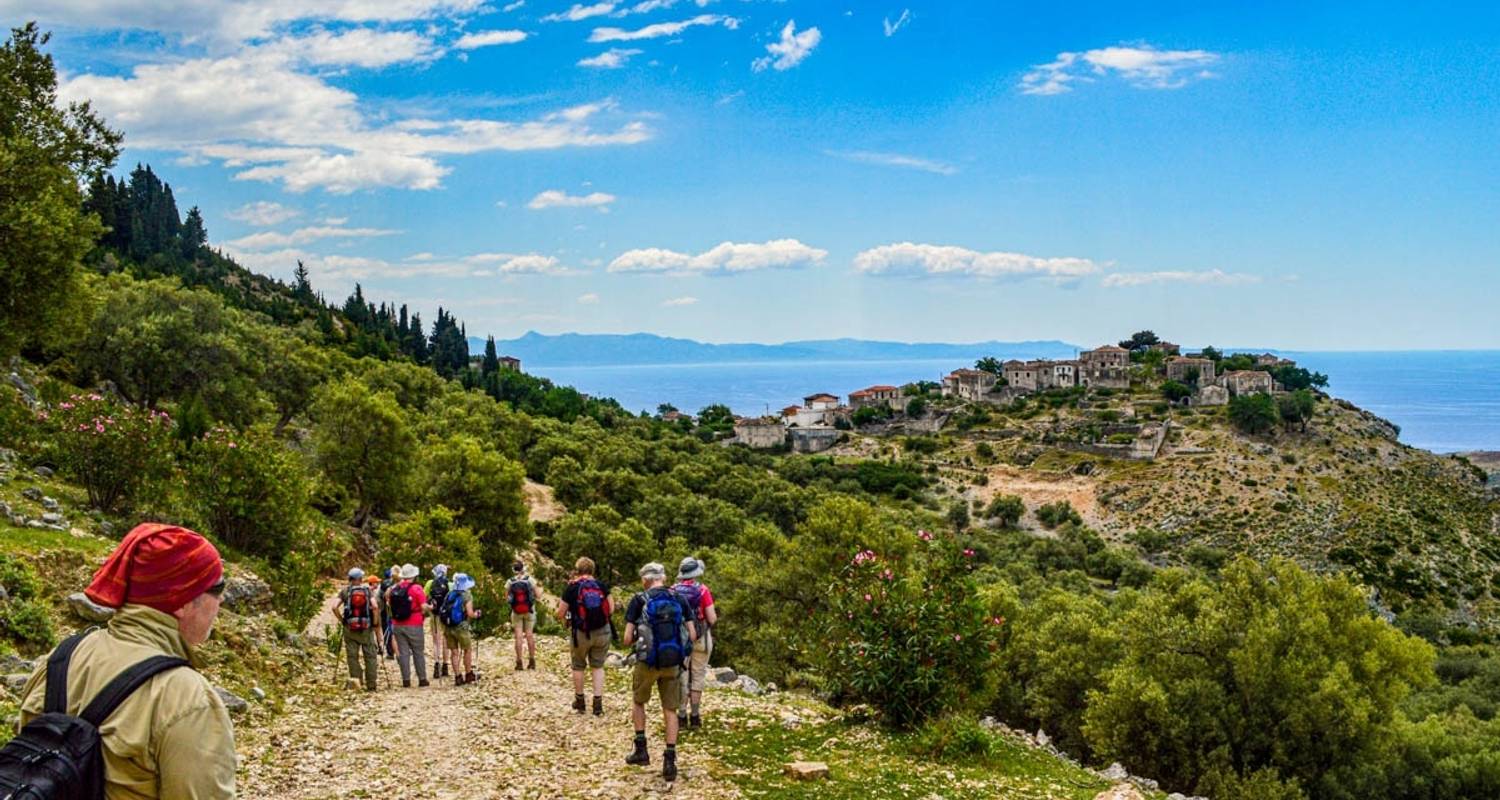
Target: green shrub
<point x="27" y="624"/>
<point x="1055" y="514"/>
<point x="296" y="583"/>
<point x="1006" y="509"/>
<point x="249" y="489"/>
<point x="908" y="636"/>
<point x="18" y="578"/>
<point x="954" y="738"/>
<point x="114" y="450"/>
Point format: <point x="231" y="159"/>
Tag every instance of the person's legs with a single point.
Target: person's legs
<point x="418" y="638"/>
<point x="517" y="629"/>
<point x="439" y="648"/>
<point x="403" y="654"/>
<point x="578" y="655"/>
<point x="372" y="660"/>
<point x="640" y="693"/>
<point x="352" y="650"/>
<point x="529" y="628"/>
<point x="669" y="688"/>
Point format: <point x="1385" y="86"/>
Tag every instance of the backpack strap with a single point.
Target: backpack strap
<point x="124" y="685"/>
<point x="56" y="701"/>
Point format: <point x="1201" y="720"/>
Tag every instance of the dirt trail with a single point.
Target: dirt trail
<point x="511" y="735"/>
<point x="1078" y="491"/>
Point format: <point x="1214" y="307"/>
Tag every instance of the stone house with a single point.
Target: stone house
<point x="821" y="401"/>
<point x="1272" y="360"/>
<point x="1248" y="381"/>
<point x="1064" y="374"/>
<point x="878" y="395"/>
<point x="759" y="433"/>
<point x="969" y="384"/>
<point x="1020" y="376"/>
<point x="1167" y="348"/>
<point x="1191" y="370"/>
<point x="1104" y="357"/>
<point x="1211" y="395"/>
<point x="804" y="417"/>
<point x="510" y="362"/>
<point x="813" y="440"/>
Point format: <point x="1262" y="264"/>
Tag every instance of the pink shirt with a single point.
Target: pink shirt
<point x="707" y="596"/>
<point x="418" y="597"/>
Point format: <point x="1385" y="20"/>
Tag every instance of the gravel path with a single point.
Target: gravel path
<point x="511" y="735"/>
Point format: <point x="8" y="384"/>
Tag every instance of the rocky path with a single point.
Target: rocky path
<point x="511" y="735"/>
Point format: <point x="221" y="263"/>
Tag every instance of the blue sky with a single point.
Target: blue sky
<point x="1296" y="175"/>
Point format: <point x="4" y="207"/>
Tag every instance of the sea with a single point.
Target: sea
<point x="1444" y="401"/>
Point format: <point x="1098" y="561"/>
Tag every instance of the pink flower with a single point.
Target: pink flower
<point x="64" y="405"/>
<point x="867" y="598"/>
<point x="924" y="536"/>
<point x="957" y="637"/>
<point x="968" y="552"/>
<point x="231" y="445"/>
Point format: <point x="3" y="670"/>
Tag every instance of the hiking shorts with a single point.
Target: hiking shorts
<point x="696" y="670"/>
<point x="590" y="648"/>
<point x="459" y="638"/>
<point x="667" y="681"/>
<point x="523" y="623"/>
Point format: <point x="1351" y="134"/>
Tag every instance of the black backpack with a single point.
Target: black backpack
<point x="401" y="602"/>
<point x="58" y="756"/>
<point x="439" y="592"/>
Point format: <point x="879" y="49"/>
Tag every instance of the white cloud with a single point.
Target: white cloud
<point x="901" y="22"/>
<point x="648" y="6"/>
<point x="590" y="299"/>
<point x="1144" y="67"/>
<point x="269" y="239"/>
<point x="613" y="58"/>
<point x="907" y="258"/>
<point x="345" y="269"/>
<point x="895" y="160"/>
<point x="358" y="47"/>
<point x="1214" y="277"/>
<point x="679" y="301"/>
<point x="661" y="29"/>
<point x="556" y="198"/>
<point x="580" y="12"/>
<point x="228" y="22"/>
<point x="256" y="113"/>
<point x="471" y="41"/>
<point x="262" y="213"/>
<point x="509" y="7"/>
<point x="726" y="258"/>
<point x="517" y="264"/>
<point x="790" y="50"/>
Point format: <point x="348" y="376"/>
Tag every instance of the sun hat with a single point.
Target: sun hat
<point x="372" y="580"/>
<point x="462" y="582"/>
<point x="356" y="574"/>
<point x="440" y="570"/>
<point x="409" y="571"/>
<point x="690" y="568"/>
<point x="654" y="571"/>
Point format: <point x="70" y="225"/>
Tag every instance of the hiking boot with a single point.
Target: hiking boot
<point x="531" y="663"/>
<point x="598" y="706"/>
<point x="669" y="764"/>
<point x="682" y="720"/>
<point x="518" y="665"/>
<point x="406" y="684"/>
<point x="423" y="683"/>
<point x="445" y="672"/>
<point x="640" y="757"/>
<point x="470" y="677"/>
<point x="458" y="680"/>
<point x="695" y="721"/>
<point x="578" y="703"/>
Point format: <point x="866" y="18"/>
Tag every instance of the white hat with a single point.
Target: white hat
<point x="409" y="571"/>
<point x="654" y="571"/>
<point x="440" y="570"/>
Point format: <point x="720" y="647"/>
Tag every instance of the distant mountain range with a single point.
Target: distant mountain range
<point x="587" y="349"/>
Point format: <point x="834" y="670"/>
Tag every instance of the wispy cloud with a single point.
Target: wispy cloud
<point x="263" y="212"/>
<point x="901" y="22"/>
<point x="472" y="41"/>
<point x="930" y="260"/>
<point x="1214" y="277"/>
<point x="357" y="47"/>
<point x="724" y="259"/>
<point x="679" y="301"/>
<point x="580" y="12"/>
<point x="1144" y="67"/>
<point x="613" y="58"/>
<point x="509" y="7"/>
<point x="790" y="50"/>
<point x="269" y="239"/>
<point x="661" y="29"/>
<point x="556" y="198"/>
<point x="894" y="160"/>
<point x="590" y="299"/>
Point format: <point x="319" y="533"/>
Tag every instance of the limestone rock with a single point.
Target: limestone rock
<point x="1042" y="739"/>
<point x="257" y="693"/>
<point x="52" y="518"/>
<point x="790" y="721"/>
<point x="43" y="472"/>
<point x="245" y="592"/>
<point x="1115" y="772"/>
<point x="806" y="770"/>
<point x="50" y="504"/>
<point x="16" y="681"/>
<point x="232" y="701"/>
<point x="723" y="675"/>
<point x="32" y="493"/>
<point x="88" y="609"/>
<point x="1122" y="791"/>
<point x="748" y="685"/>
<point x="11" y="663"/>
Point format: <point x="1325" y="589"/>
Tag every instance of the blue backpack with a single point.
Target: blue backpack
<point x="662" y="630"/>
<point x="453" y="611"/>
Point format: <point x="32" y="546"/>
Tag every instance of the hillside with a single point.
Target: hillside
<point x="1419" y="527"/>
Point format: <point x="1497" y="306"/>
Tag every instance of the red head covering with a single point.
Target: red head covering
<point x="161" y="566"/>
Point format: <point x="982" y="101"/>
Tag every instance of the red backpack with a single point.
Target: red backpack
<point x="521" y="597"/>
<point x="358" y="614"/>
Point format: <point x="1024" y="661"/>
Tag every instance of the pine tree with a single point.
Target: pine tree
<point x="194" y="235"/>
<point x="302" y="283"/>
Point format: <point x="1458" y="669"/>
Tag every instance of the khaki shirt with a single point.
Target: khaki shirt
<point x="170" y="739"/>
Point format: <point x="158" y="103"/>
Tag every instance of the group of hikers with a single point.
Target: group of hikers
<point x="668" y="628"/>
<point x="119" y="712"/>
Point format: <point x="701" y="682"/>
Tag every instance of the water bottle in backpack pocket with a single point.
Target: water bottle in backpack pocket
<point x="662" y="630"/>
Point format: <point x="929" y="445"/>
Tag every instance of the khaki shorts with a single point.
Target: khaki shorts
<point x="590" y="649"/>
<point x="459" y="638"/>
<point x="523" y="623"/>
<point x="668" y="683"/>
<point x="696" y="670"/>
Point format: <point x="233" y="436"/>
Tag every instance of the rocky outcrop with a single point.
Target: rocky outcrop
<point x="88" y="610"/>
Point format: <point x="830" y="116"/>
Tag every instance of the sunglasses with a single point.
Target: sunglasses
<point x="217" y="590"/>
